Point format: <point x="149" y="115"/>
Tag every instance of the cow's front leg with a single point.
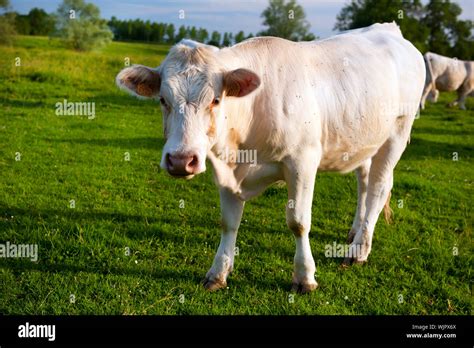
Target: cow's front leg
<point x="300" y="175"/>
<point x="426" y="91"/>
<point x="231" y="211"/>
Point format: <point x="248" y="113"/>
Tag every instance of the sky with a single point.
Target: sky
<point x="221" y="15"/>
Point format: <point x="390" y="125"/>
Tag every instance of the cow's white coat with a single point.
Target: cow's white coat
<point x="340" y="104"/>
<point x="447" y="74"/>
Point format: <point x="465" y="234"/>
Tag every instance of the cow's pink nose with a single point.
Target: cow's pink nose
<point x="182" y="164"/>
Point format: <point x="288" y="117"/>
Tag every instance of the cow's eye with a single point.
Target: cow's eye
<point x="216" y="101"/>
<point x="163" y="102"/>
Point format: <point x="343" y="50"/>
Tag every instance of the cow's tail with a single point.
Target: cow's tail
<point x="387" y="211"/>
<point x="430" y="70"/>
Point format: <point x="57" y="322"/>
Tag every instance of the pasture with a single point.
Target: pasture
<point x="136" y="241"/>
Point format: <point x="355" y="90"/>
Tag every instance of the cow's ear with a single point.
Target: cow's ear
<point x="139" y="80"/>
<point x="240" y="82"/>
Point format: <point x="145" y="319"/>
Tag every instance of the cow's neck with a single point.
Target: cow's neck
<point x="240" y="130"/>
<point x="232" y="139"/>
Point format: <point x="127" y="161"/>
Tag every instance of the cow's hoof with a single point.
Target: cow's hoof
<point x="213" y="284"/>
<point x="304" y="288"/>
<point x="351" y="235"/>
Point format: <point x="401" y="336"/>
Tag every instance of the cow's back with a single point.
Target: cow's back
<point x="382" y="80"/>
<point x="343" y="93"/>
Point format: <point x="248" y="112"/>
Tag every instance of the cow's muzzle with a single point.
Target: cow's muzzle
<point x="182" y="165"/>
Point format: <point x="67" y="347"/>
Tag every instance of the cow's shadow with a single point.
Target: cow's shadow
<point x="122" y="99"/>
<point x="437" y="131"/>
<point x="151" y="232"/>
<point x="110" y="100"/>
<point x="125" y="143"/>
<point x="420" y="149"/>
<point x="21" y="103"/>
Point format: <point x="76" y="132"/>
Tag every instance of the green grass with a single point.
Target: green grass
<point x="133" y="204"/>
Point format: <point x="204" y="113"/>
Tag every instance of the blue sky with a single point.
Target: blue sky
<point x="220" y="15"/>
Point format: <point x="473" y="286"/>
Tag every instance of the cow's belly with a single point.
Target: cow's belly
<point x="344" y="160"/>
<point x="448" y="82"/>
<point x="345" y="149"/>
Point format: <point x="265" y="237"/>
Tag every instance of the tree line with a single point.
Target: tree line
<point x="39" y="22"/>
<point x="434" y="27"/>
<point x="139" y="30"/>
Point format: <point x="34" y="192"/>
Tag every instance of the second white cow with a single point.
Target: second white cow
<point x="447" y="74"/>
<point x="341" y="104"/>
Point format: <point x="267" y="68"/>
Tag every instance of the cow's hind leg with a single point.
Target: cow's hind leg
<point x="426" y="91"/>
<point x="462" y="92"/>
<point x="300" y="175"/>
<point x="379" y="187"/>
<point x="231" y="210"/>
<point x="362" y="183"/>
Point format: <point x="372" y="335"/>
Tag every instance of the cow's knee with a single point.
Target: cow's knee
<point x="297" y="228"/>
<point x="297" y="224"/>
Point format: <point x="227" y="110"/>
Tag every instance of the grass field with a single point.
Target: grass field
<point x="133" y="205"/>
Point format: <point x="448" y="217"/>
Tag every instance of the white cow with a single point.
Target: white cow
<point x="341" y="104"/>
<point x="447" y="74"/>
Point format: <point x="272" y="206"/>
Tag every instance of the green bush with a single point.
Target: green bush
<point x="7" y="24"/>
<point x="7" y="28"/>
<point x="80" y="26"/>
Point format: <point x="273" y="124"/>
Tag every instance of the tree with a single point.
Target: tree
<point x="448" y="35"/>
<point x="464" y="47"/>
<point x="435" y="27"/>
<point x="170" y="33"/>
<point x="407" y="14"/>
<point x="239" y="37"/>
<point x="154" y="32"/>
<point x="36" y="22"/>
<point x="193" y="33"/>
<point x="80" y="26"/>
<point x="7" y="24"/>
<point x="40" y="22"/>
<point x="147" y="30"/>
<point x="161" y="32"/>
<point x="22" y="24"/>
<point x="182" y="33"/>
<point x="138" y="30"/>
<point x="215" y="39"/>
<point x="226" y="40"/>
<point x="202" y="35"/>
<point x="286" y="20"/>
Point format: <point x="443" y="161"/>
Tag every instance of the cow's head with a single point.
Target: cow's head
<point x="191" y="85"/>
